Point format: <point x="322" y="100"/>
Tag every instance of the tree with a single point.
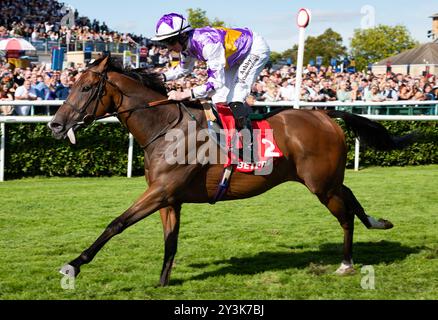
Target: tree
<point x="327" y="45"/>
<point x="198" y="19"/>
<point x="375" y="44"/>
<point x="275" y="56"/>
<point x="291" y="53"/>
<point x="217" y="23"/>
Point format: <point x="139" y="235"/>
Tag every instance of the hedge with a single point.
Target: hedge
<point x="102" y="151"/>
<point x="424" y="152"/>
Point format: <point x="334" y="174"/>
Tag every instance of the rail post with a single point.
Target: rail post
<point x="130" y="155"/>
<point x="2" y="151"/>
<point x="303" y="20"/>
<point x="356" y="155"/>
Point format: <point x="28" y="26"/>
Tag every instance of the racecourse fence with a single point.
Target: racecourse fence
<point x="385" y="111"/>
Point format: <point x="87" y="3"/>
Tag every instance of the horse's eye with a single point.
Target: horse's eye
<point x="86" y="89"/>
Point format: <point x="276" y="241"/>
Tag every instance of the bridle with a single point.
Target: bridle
<point x="98" y="93"/>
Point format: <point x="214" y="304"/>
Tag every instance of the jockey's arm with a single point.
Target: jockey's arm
<point x="184" y="68"/>
<point x="216" y="63"/>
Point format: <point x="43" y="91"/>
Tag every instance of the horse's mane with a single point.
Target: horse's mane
<point x="146" y="77"/>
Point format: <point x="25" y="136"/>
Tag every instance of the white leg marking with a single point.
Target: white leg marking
<point x="345" y="268"/>
<point x="376" y="224"/>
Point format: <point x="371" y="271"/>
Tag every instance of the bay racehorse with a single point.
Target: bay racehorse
<point x="313" y="147"/>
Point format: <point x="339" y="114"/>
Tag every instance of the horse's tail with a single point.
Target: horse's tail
<point x="373" y="133"/>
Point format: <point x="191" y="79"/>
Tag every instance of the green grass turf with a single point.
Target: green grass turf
<point x="281" y="245"/>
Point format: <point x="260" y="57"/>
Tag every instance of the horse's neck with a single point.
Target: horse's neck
<point x="143" y="122"/>
<point x="149" y="123"/>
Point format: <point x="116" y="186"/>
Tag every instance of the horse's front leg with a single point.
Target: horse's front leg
<point x="170" y="217"/>
<point x="152" y="200"/>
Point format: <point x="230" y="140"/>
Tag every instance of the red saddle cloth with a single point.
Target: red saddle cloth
<point x="267" y="148"/>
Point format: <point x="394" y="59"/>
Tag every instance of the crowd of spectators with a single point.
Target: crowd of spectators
<point x="324" y="84"/>
<point x="41" y="83"/>
<point x="34" y="83"/>
<point x="45" y="20"/>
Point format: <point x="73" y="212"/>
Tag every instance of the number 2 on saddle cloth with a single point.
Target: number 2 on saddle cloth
<point x="264" y="145"/>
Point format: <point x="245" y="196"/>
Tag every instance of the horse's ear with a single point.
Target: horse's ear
<point x="103" y="65"/>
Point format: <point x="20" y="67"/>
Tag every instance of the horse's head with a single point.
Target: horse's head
<point x="88" y="100"/>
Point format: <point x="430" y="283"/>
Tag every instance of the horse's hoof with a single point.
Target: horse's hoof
<point x="345" y="270"/>
<point x="160" y="285"/>
<point x="380" y="224"/>
<point x="69" y="271"/>
<point x="164" y="283"/>
<point x="387" y="224"/>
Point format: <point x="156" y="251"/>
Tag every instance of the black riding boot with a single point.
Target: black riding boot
<point x="241" y="115"/>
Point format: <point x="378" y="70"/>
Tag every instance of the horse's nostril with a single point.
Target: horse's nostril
<point x="55" y="127"/>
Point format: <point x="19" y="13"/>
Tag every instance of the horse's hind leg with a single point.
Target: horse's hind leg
<point x="344" y="206"/>
<point x="368" y="221"/>
<point x="170" y="218"/>
<point x="340" y="209"/>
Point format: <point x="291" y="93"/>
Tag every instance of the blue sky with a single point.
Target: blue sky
<point x="274" y="19"/>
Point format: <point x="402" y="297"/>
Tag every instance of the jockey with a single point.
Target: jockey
<point x="234" y="58"/>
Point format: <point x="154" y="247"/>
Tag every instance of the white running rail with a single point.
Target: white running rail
<point x="370" y="106"/>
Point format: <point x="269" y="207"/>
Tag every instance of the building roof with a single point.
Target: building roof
<point x="418" y="55"/>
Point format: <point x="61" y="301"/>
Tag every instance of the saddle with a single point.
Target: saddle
<point x="222" y="130"/>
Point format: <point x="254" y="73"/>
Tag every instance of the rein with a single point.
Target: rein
<point x="154" y="104"/>
<point x="142" y="107"/>
<point x="97" y="95"/>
